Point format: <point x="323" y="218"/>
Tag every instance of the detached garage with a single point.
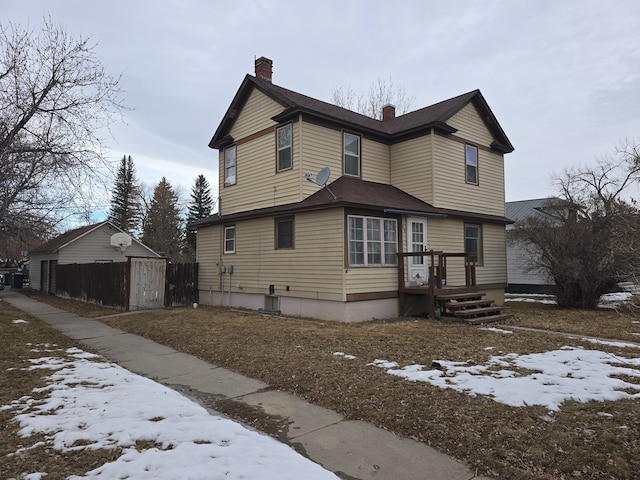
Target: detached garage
<point x="98" y="243"/>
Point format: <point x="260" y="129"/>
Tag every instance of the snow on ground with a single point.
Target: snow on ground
<point x="92" y="404"/>
<point x="494" y="329"/>
<point x="342" y="354"/>
<point x="547" y="378"/>
<point x="608" y="300"/>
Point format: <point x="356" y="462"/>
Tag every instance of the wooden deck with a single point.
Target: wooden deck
<point x="463" y="303"/>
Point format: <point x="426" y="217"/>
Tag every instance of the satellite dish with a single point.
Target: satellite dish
<point x="323" y="176"/>
<point x="321" y="179"/>
<point x="120" y="240"/>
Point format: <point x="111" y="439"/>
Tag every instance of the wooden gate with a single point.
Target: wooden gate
<point x="146" y="283"/>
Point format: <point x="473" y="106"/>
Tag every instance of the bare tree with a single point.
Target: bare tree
<point x="54" y="97"/>
<point x="592" y="239"/>
<point x="381" y="93"/>
<point x="597" y="189"/>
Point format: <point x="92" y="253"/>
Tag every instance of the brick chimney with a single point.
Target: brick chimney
<point x="388" y="112"/>
<point x="264" y="68"/>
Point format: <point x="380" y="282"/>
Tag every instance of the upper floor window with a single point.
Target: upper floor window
<point x="351" y="154"/>
<point x="372" y="241"/>
<point x="284" y="232"/>
<point x="230" y="239"/>
<point x="471" y="162"/>
<point x="284" y="148"/>
<point x="230" y="165"/>
<point x="473" y="241"/>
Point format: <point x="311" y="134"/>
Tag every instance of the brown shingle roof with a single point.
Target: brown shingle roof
<point x="60" y="241"/>
<point x="434" y="116"/>
<point x="354" y="193"/>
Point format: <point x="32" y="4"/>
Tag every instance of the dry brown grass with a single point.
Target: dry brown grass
<point x="297" y="356"/>
<point x="17" y="342"/>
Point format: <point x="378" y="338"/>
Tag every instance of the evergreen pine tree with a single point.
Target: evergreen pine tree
<point x="199" y="207"/>
<point x="163" y="227"/>
<point x="126" y="210"/>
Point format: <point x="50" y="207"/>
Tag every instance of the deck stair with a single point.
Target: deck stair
<point x="470" y="307"/>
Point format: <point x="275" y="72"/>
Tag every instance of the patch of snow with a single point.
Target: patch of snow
<point x="92" y="404"/>
<point x="342" y="354"/>
<point x="608" y="300"/>
<point x="531" y="300"/>
<point x="612" y="344"/>
<point x="383" y="364"/>
<point x="616" y="297"/>
<point x="35" y="476"/>
<point x="493" y="329"/>
<point x="550" y="378"/>
<point x="19" y="320"/>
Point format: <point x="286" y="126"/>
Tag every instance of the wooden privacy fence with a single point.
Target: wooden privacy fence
<point x="138" y="284"/>
<point x="102" y="283"/>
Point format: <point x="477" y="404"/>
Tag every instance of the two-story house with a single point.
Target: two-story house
<point x="432" y="179"/>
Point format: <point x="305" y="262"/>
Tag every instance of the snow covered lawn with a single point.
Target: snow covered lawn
<point x="92" y="404"/>
<point x="545" y="378"/>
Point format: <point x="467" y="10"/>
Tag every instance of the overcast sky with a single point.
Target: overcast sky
<point x="562" y="77"/>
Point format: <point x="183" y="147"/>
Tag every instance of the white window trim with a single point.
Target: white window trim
<point x="467" y="164"/>
<point x="344" y="154"/>
<point x="227" y="180"/>
<point x="224" y="240"/>
<point x="365" y="242"/>
<point x="278" y="149"/>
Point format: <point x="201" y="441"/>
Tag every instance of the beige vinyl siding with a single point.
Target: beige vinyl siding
<point x="95" y="247"/>
<point x="412" y="168"/>
<point x="448" y="235"/>
<point x="371" y="279"/>
<point x="470" y="126"/>
<point x="322" y="147"/>
<point x="255" y="115"/>
<point x="208" y="247"/>
<point x="257" y="183"/>
<point x="375" y="166"/>
<point x="313" y="269"/>
<point x="450" y="188"/>
<point x="495" y="258"/>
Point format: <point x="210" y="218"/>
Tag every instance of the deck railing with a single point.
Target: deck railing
<point x="436" y="279"/>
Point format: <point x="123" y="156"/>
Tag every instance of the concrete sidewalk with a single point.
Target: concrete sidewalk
<point x="352" y="449"/>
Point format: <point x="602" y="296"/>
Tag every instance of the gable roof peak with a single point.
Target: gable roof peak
<point x="392" y="128"/>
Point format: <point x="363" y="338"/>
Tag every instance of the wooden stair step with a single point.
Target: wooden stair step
<point x="488" y="319"/>
<point x="459" y="305"/>
<point x="460" y="296"/>
<point x="471" y="312"/>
